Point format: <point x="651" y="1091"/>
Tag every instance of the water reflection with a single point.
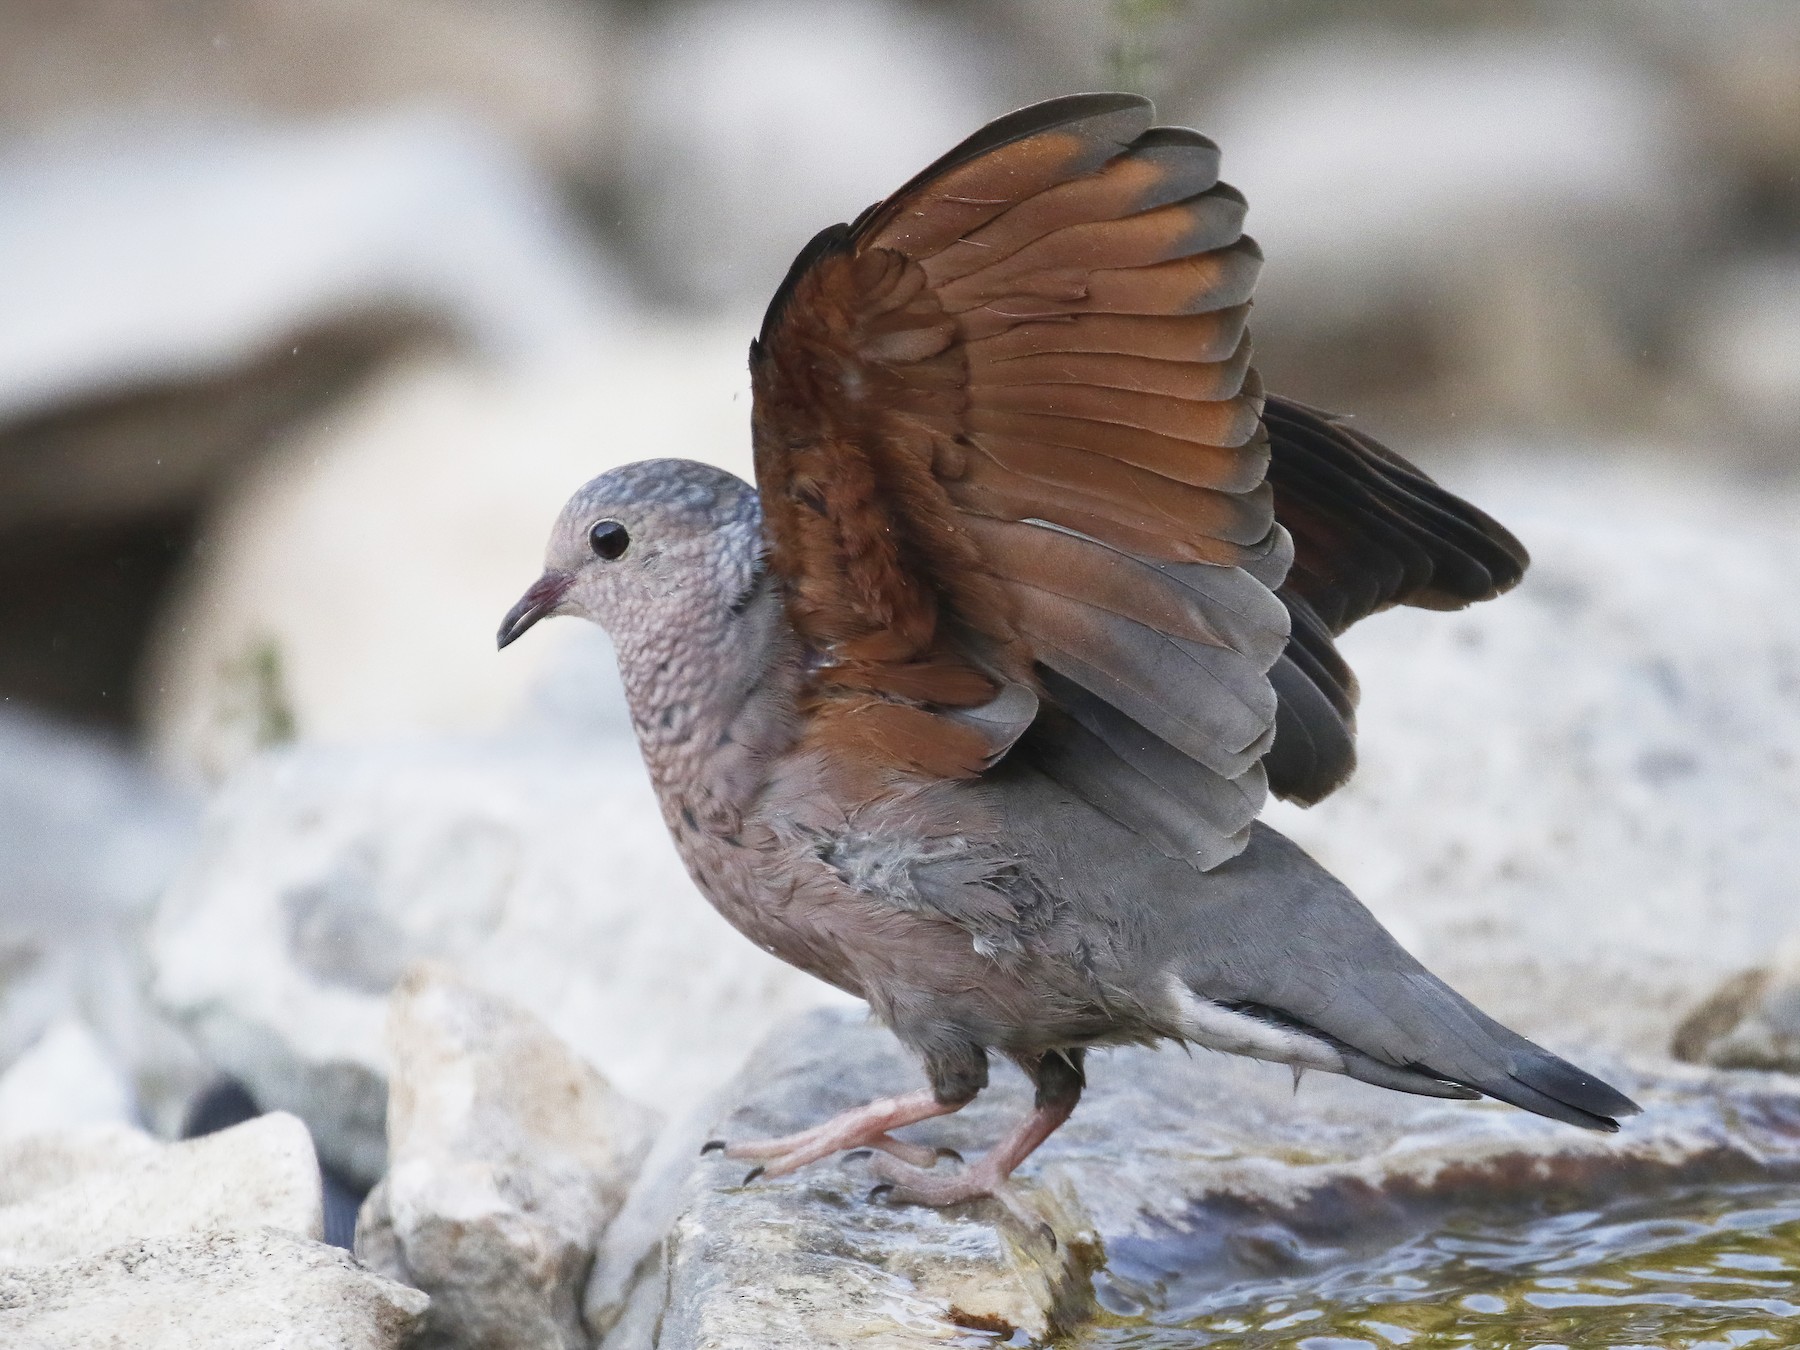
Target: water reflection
<point x="1694" y="1266"/>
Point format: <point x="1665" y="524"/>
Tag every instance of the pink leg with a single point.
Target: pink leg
<point x="864" y="1127"/>
<point x="984" y="1176"/>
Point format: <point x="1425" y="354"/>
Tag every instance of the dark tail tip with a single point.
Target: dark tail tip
<point x="1553" y="1087"/>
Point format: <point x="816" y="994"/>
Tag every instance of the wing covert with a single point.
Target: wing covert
<point x="1011" y="447"/>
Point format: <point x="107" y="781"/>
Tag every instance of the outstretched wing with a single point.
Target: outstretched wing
<point x="1012" y="454"/>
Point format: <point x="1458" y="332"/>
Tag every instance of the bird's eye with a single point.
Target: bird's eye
<point x="609" y="539"/>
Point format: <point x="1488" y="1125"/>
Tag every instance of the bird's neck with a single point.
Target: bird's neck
<point x="714" y="704"/>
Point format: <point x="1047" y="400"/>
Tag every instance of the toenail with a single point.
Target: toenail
<point x="712" y="1146"/>
<point x="950" y="1153"/>
<point x="858" y="1154"/>
<point x="752" y="1175"/>
<point x="881" y="1192"/>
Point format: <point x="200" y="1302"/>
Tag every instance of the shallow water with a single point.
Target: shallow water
<point x="1686" y="1266"/>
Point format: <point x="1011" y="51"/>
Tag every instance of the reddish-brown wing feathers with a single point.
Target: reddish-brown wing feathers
<point x="1007" y="432"/>
<point x="1044" y="328"/>
<point x="895" y="366"/>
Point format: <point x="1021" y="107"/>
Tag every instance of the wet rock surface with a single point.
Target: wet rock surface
<point x="508" y="1158"/>
<point x="1178" y="1177"/>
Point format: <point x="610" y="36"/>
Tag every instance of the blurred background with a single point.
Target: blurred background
<point x="312" y="312"/>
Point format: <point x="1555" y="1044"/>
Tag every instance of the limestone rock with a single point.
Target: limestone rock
<point x="545" y="72"/>
<point x="207" y="1291"/>
<point x="69" y="1195"/>
<point x="541" y="867"/>
<point x="1219" y="1147"/>
<point x="1743" y="339"/>
<point x="140" y="259"/>
<point x="508" y="1158"/>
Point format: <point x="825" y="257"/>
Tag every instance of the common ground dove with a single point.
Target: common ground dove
<point x="970" y="706"/>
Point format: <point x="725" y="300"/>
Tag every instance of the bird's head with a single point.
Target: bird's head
<point x="648" y="545"/>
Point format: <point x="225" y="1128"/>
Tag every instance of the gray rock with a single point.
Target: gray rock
<point x="1752" y="1021"/>
<point x="544" y="870"/>
<point x="1743" y="338"/>
<point x="69" y="1195"/>
<point x="208" y="1291"/>
<point x="508" y="1157"/>
<point x="1163" y="1142"/>
<point x="546" y="73"/>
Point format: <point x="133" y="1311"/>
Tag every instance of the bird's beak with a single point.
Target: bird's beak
<point x="543" y="597"/>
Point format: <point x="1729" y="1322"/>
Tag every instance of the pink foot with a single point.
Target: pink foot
<point x="864" y="1127"/>
<point x="986" y="1176"/>
<point x="904" y="1184"/>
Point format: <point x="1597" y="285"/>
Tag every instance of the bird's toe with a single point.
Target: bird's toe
<point x="904" y="1184"/>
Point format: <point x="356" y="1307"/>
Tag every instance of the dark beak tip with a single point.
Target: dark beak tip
<point x="537" y="603"/>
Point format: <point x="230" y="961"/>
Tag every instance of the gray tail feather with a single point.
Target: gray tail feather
<point x="1551" y="1086"/>
<point x="1536" y="1081"/>
<point x="1474" y="1052"/>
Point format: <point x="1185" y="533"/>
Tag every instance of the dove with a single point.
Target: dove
<point x="970" y="705"/>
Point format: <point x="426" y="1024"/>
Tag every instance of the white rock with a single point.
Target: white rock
<point x="70" y="1195"/>
<point x="86" y="830"/>
<point x="377" y="553"/>
<point x="151" y="254"/>
<point x="542" y="867"/>
<point x="1504" y="209"/>
<point x="545" y="72"/>
<point x="1576" y="802"/>
<point x="208" y="1291"/>
<point x="1385" y="160"/>
<point x="508" y="1158"/>
<point x="66" y="1078"/>
<point x="89" y="837"/>
<point x="757" y="125"/>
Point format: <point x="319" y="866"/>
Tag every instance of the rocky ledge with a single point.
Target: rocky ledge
<point x="1226" y="1159"/>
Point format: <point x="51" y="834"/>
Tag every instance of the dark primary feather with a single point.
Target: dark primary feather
<point x="1370" y="530"/>
<point x="1008" y="434"/>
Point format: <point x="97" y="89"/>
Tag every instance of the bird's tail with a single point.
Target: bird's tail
<point x="1453" y="1043"/>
